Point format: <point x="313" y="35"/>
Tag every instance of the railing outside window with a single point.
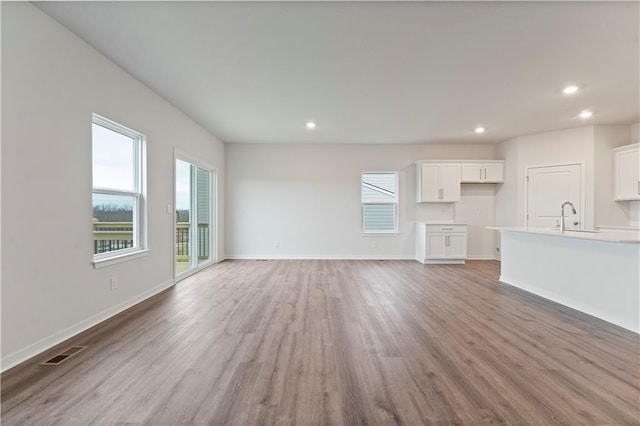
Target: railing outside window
<point x="109" y="236"/>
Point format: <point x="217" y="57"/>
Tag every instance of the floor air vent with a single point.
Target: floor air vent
<point x="62" y="357"/>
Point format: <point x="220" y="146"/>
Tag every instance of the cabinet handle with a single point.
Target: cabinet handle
<point x="447" y="229"/>
<point x="446" y="241"/>
<point x="485" y="173"/>
<point x="440" y="193"/>
<point x="639" y="187"/>
<point x="480" y="173"/>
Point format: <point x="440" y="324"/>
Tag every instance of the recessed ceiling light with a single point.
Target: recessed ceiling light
<point x="585" y="114"/>
<point x="479" y="130"/>
<point x="570" y="90"/>
<point x="311" y="125"/>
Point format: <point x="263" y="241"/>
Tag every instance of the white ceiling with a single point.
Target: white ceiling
<point x="385" y="72"/>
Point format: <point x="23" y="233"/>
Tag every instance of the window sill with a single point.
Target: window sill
<point x="125" y="257"/>
<point x="379" y="234"/>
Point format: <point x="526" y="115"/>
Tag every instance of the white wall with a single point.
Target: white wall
<point x="477" y="208"/>
<point x="608" y="212"/>
<point x="559" y="147"/>
<point x="588" y="145"/>
<point x="635" y="133"/>
<point x="307" y="199"/>
<point x="542" y="149"/>
<point x="52" y="82"/>
<point x="508" y="211"/>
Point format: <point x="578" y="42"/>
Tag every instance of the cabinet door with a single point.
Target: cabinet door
<point x="457" y="246"/>
<point x="627" y="174"/>
<point x="450" y="182"/>
<point x="493" y="173"/>
<point x="430" y="189"/>
<point x="436" y="246"/>
<point x="472" y="172"/>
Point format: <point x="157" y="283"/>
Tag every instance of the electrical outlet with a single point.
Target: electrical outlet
<point x="113" y="283"/>
<point x="277" y="244"/>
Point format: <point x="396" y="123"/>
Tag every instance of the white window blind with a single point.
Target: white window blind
<point x="379" y="197"/>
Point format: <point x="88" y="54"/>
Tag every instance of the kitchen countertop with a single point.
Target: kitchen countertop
<point x="619" y="228"/>
<point x="612" y="237"/>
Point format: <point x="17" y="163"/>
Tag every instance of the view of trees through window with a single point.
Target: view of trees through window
<point x="117" y="190"/>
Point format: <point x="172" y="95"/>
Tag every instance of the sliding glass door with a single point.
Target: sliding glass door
<point x="194" y="227"/>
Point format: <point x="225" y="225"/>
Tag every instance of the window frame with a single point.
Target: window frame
<point x="395" y="202"/>
<point x="138" y="193"/>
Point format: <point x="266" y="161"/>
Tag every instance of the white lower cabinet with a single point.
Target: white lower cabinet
<point x="437" y="243"/>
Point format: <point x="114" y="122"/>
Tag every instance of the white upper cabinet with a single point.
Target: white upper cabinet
<point x="483" y="172"/>
<point x="626" y="170"/>
<point x="438" y="182"/>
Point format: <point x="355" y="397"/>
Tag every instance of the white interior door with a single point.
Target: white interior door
<point x="547" y="189"/>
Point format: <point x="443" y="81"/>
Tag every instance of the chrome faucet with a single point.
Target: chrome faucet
<point x="573" y="210"/>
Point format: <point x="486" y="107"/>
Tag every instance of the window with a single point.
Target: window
<point x="118" y="190"/>
<point x="194" y="219"/>
<point x="379" y="197"/>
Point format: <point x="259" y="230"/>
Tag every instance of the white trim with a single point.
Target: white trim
<point x="121" y="257"/>
<point x="441" y="261"/>
<point x="481" y="257"/>
<point x="446" y="161"/>
<point x="114" y="126"/>
<point x="346" y="257"/>
<point x="40" y="346"/>
<point x="185" y="156"/>
<point x="316" y="257"/>
<point x="626" y="147"/>
<point x="181" y="155"/>
<point x="139" y="193"/>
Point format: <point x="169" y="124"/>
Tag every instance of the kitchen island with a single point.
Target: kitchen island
<point x="594" y="272"/>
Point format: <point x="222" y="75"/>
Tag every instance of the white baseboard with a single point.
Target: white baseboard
<point x="337" y="257"/>
<point x="316" y="257"/>
<point x="34" y="349"/>
<point x="481" y="257"/>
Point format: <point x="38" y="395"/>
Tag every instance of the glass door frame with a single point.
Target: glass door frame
<point x="213" y="216"/>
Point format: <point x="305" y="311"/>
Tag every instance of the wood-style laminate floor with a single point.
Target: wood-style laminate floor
<point x="338" y="342"/>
